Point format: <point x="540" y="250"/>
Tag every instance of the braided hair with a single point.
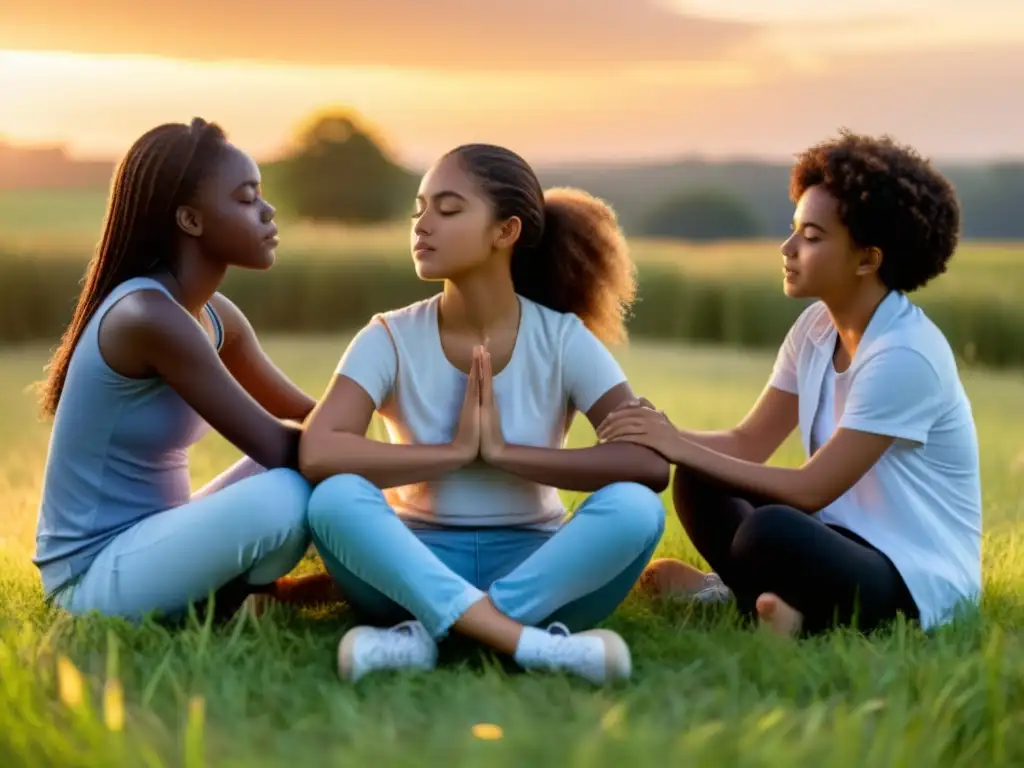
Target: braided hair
<point x="160" y="172"/>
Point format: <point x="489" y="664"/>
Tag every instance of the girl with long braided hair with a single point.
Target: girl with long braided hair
<point x="154" y="357"/>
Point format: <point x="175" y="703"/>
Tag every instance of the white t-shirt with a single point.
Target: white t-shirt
<point x="557" y="367"/>
<point x="825" y="419"/>
<point x="920" y="504"/>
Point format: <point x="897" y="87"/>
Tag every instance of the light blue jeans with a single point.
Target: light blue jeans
<point x="578" y="575"/>
<point x="247" y="522"/>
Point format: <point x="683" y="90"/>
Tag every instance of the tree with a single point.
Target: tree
<point x="702" y="215"/>
<point x="339" y="171"/>
<point x="991" y="205"/>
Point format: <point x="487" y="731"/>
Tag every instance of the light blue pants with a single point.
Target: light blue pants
<point x="577" y="575"/>
<point x="247" y="522"/>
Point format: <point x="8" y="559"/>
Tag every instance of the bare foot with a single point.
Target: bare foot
<point x="778" y="615"/>
<point x="667" y="577"/>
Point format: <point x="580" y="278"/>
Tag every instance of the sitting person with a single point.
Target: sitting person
<point x="456" y="523"/>
<point x="152" y="359"/>
<point x="885" y="515"/>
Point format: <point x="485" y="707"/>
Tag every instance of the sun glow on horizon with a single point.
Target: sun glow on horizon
<point x="121" y="95"/>
<point x="794" y="83"/>
<point x="95" y="104"/>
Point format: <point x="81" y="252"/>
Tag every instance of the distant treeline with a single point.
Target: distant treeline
<point x="332" y="295"/>
<point x="340" y="170"/>
<point x="991" y="196"/>
<point x="49" y="167"/>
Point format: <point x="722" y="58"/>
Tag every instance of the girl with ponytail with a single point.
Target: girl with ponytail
<point x="455" y="523"/>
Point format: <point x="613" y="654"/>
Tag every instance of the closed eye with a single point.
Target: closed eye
<point x="417" y="214"/>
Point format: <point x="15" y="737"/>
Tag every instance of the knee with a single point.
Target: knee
<point x="335" y="500"/>
<point x="272" y="504"/>
<point x="768" y="531"/>
<point x="637" y="510"/>
<point x="283" y="499"/>
<point x="689" y="489"/>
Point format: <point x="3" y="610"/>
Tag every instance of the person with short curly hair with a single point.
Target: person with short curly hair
<point x="884" y="517"/>
<point x="455" y="523"/>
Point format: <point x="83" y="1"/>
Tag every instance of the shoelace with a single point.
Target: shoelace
<point x="401" y="644"/>
<point x="714" y="588"/>
<point x="558" y="628"/>
<point x="562" y="652"/>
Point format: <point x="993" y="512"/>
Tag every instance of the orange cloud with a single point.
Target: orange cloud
<point x="442" y="34"/>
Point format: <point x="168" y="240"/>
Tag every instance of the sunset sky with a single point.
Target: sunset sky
<point x="558" y="80"/>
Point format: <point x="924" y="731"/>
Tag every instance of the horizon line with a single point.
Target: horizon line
<point x="620" y="161"/>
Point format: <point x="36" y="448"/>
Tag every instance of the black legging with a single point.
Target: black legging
<point x="829" y="574"/>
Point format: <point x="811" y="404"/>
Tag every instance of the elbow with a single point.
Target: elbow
<point x="312" y="459"/>
<point x="280" y="450"/>
<point x="811" y="498"/>
<point x="654" y="471"/>
<point x="633" y="463"/>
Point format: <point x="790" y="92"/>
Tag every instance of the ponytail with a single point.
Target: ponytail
<point x="580" y="265"/>
<point x="571" y="255"/>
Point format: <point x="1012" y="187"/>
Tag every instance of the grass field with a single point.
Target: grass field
<point x="705" y="690"/>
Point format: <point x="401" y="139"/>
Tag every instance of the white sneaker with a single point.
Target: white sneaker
<point x="713" y="590"/>
<point x="597" y="655"/>
<point x="404" y="646"/>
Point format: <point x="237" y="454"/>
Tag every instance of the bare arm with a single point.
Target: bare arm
<point x="334" y="441"/>
<point x="150" y="331"/>
<point x="248" y="363"/>
<point x="876" y="413"/>
<point x="826" y="476"/>
<point x="816" y="484"/>
<point x="758" y="436"/>
<point x="587" y="469"/>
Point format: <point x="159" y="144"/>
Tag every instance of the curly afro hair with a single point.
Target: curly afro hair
<point x="889" y="198"/>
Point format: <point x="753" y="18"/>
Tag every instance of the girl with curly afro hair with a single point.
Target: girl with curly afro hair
<point x="455" y="522"/>
<point x="884" y="517"/>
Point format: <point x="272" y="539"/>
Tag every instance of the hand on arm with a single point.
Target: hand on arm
<point x="819" y="482"/>
<point x="756" y="438"/>
<point x="581" y="469"/>
<point x="877" y="412"/>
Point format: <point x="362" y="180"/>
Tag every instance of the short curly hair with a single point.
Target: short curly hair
<point x="889" y="198"/>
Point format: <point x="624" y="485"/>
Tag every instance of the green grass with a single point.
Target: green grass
<point x="705" y="690"/>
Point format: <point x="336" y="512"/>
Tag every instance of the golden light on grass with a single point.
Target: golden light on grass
<point x="196" y="711"/>
<point x="488" y="732"/>
<point x="194" y="732"/>
<point x="69" y="683"/>
<point x="613" y="719"/>
<point x="113" y="705"/>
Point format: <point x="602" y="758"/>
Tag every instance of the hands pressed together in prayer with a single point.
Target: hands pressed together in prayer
<point x="479" y="431"/>
<point x="479" y="434"/>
